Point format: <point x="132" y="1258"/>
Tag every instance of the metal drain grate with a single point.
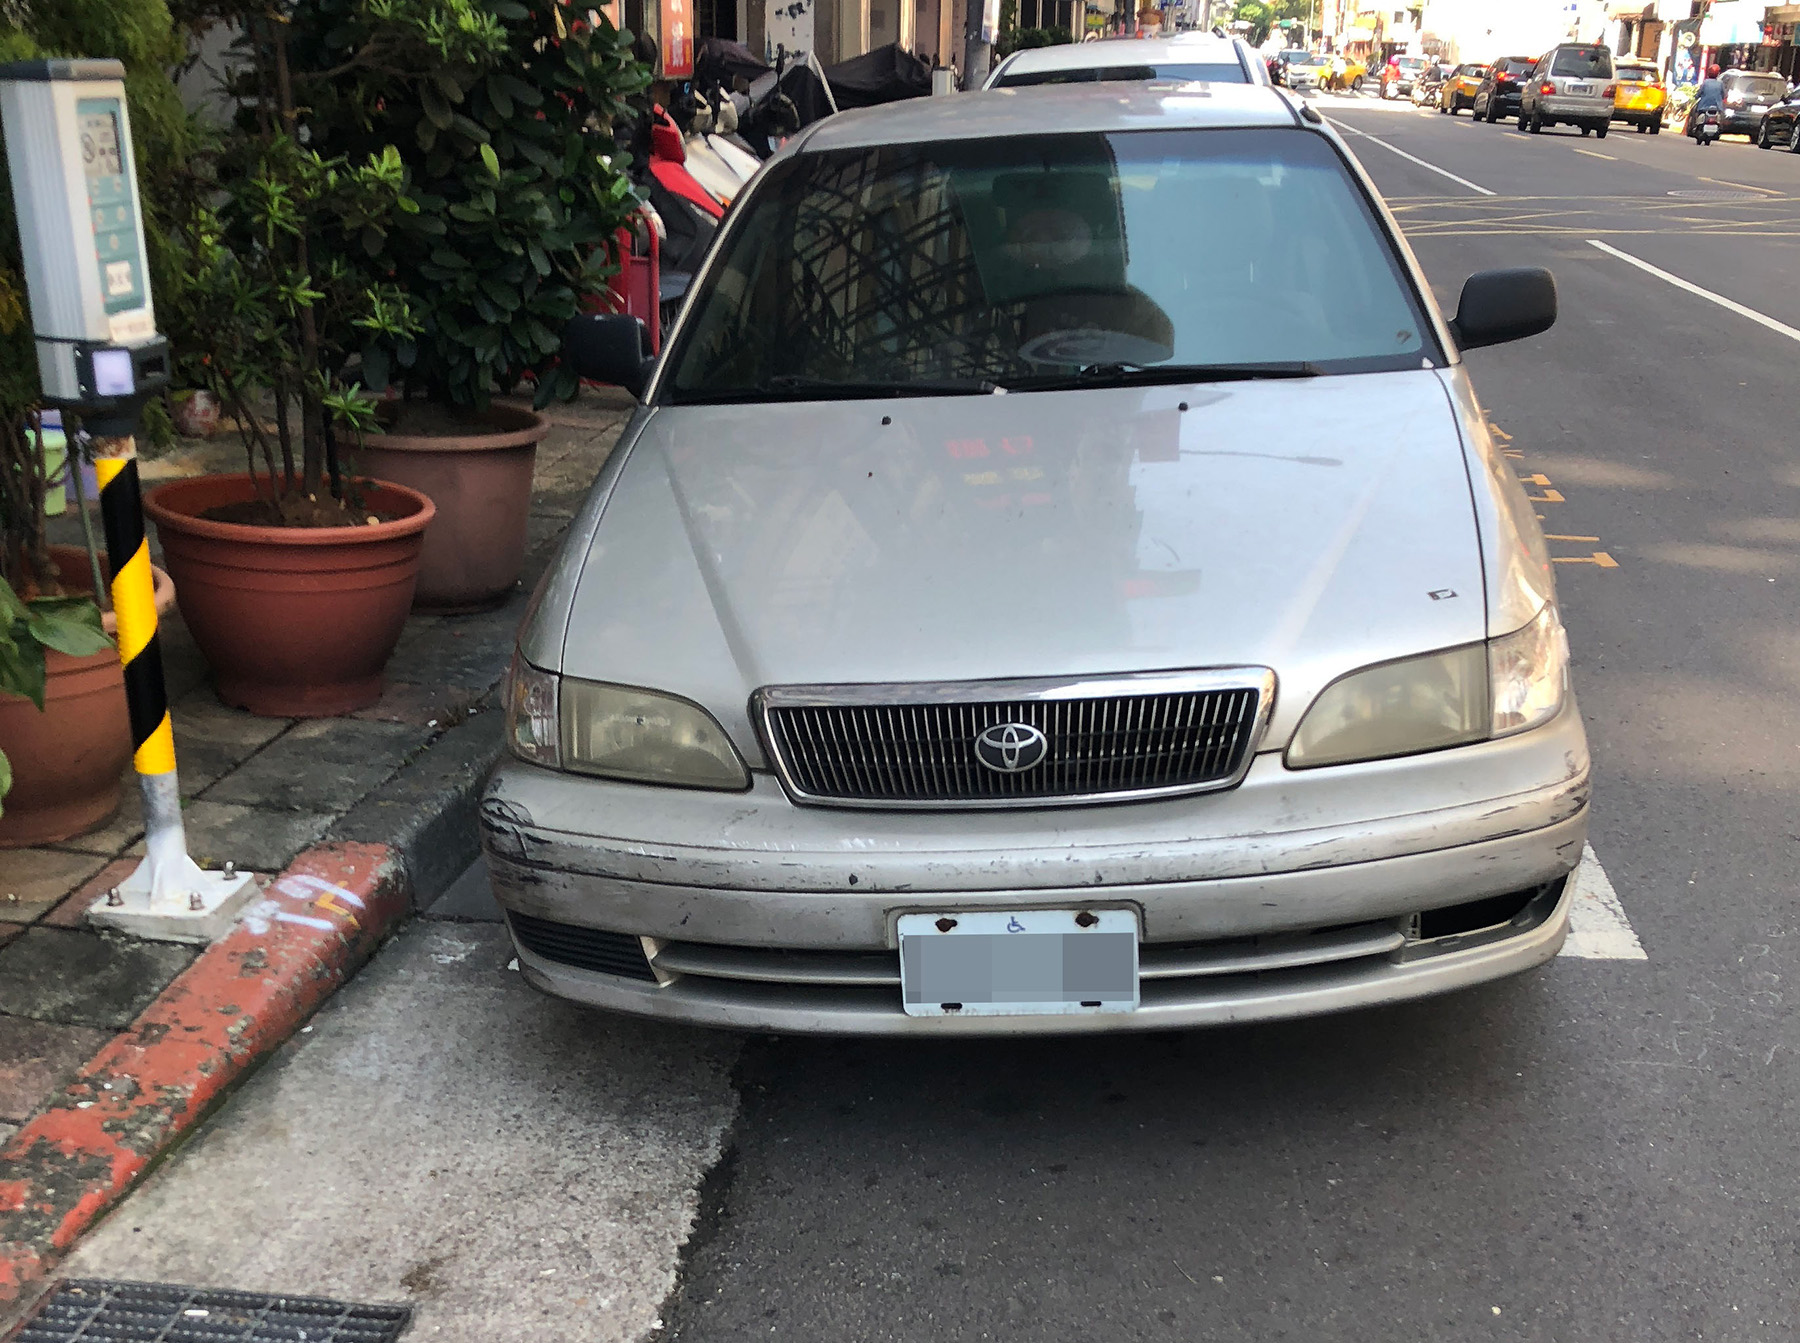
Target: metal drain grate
<point x="1720" y="195"/>
<point x="87" y="1310"/>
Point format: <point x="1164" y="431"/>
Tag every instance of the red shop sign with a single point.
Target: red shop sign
<point x="678" y="39"/>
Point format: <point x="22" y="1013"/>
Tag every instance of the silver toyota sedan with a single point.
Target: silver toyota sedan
<point x="1058" y="579"/>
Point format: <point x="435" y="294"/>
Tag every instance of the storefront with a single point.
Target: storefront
<point x="1781" y="25"/>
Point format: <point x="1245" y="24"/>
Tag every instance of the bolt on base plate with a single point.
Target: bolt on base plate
<point x="183" y="905"/>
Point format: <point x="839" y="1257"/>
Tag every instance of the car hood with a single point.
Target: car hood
<point x="1308" y="526"/>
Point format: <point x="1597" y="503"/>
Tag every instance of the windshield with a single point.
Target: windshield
<point x="1518" y="65"/>
<point x="1583" y="63"/>
<point x="1315" y="59"/>
<point x="1472" y="71"/>
<point x="1028" y="262"/>
<point x="1206" y="73"/>
<point x="1412" y="62"/>
<point x="1770" y="87"/>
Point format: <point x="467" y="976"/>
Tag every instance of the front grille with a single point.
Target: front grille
<point x="1133" y="737"/>
<point x="583" y="948"/>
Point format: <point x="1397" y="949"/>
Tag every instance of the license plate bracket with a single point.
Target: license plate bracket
<point x="1036" y="962"/>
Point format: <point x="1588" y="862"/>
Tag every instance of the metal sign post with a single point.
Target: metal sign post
<point x="74" y="188"/>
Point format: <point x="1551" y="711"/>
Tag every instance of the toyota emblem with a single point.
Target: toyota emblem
<point x="1011" y="748"/>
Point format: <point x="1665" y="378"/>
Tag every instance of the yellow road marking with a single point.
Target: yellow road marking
<point x="1498" y="432"/>
<point x="1741" y="186"/>
<point x="1599" y="558"/>
<point x="1610" y="158"/>
<point x="1549" y="537"/>
<point x="1547" y="497"/>
<point x="1539" y="480"/>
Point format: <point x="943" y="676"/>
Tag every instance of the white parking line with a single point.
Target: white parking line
<point x="1762" y="319"/>
<point x="1598" y="928"/>
<point x="1413" y="158"/>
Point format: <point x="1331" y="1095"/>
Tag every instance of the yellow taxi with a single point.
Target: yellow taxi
<point x="1346" y="73"/>
<point x="1459" y="89"/>
<point x="1641" y="97"/>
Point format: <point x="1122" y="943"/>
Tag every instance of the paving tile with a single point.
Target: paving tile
<point x="118" y="834"/>
<point x="255" y="838"/>
<point x="322" y="765"/>
<point x="37" y="1058"/>
<point x="212" y="740"/>
<point x="73" y="909"/>
<point x="469" y="651"/>
<point x="34" y="881"/>
<point x="8" y="931"/>
<point x="429" y="706"/>
<point x="81" y="978"/>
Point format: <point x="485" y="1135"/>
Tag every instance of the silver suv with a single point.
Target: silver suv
<point x="1571" y="85"/>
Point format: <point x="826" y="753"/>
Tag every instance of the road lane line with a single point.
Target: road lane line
<point x="1413" y="158"/>
<point x="1598" y="928"/>
<point x="1740" y="186"/>
<point x="1610" y="158"/>
<point x="1762" y="319"/>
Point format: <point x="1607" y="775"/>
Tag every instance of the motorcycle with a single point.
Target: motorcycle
<point x="1708" y="126"/>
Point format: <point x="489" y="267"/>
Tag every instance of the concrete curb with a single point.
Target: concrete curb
<point x="153" y="1084"/>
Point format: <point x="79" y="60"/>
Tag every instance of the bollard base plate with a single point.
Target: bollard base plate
<point x="177" y="902"/>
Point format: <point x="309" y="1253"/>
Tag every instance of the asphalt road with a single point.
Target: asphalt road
<point x="1602" y="1150"/>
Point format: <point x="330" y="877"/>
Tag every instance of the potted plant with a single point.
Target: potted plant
<point x="295" y="576"/>
<point x="509" y="153"/>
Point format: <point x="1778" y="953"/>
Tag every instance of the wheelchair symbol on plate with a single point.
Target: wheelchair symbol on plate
<point x="1014" y="926"/>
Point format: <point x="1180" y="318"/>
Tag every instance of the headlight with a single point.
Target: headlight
<point x="645" y="737"/>
<point x="617" y="732"/>
<point x="1461" y="695"/>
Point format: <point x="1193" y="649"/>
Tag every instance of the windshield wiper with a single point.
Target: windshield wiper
<point x="1154" y="375"/>
<point x="807" y="387"/>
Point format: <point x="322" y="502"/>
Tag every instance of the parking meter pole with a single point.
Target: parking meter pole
<point x="168" y="896"/>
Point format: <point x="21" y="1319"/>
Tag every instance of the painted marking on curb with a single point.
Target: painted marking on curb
<point x="1413" y="158"/>
<point x="1761" y="319"/>
<point x="1599" y="557"/>
<point x="1598" y="928"/>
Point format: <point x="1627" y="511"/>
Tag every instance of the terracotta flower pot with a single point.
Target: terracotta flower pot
<point x="67" y="760"/>
<point x="297" y="622"/>
<point x="481" y="484"/>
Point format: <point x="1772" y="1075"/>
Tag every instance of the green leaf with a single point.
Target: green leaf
<point x="489" y="157"/>
<point x="436" y="110"/>
<point x="5" y="779"/>
<point x="22" y="672"/>
<point x="70" y="625"/>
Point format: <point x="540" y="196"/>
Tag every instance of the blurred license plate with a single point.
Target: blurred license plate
<point x="1024" y="963"/>
<point x="1580" y="88"/>
<point x="1760" y="107"/>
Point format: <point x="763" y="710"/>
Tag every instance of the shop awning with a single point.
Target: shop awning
<point x="1783" y="14"/>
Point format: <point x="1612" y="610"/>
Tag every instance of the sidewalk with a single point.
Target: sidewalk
<point x="260" y="792"/>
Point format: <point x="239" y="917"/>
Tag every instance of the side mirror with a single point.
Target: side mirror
<point x="1502" y="305"/>
<point x="610" y="348"/>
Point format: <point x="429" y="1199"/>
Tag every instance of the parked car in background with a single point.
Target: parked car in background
<point x="1195" y="56"/>
<point x="862" y="698"/>
<point x="1641" y="97"/>
<point x="1347" y="74"/>
<point x="1283" y="59"/>
<point x="1498" y="97"/>
<point x="1748" y="96"/>
<point x="1398" y="77"/>
<point x="1780" y="128"/>
<point x="1571" y="85"/>
<point x="1458" y="91"/>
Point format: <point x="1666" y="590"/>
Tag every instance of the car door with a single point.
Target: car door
<point x="1528" y="97"/>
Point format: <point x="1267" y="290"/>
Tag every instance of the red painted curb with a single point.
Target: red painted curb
<point x="240" y="998"/>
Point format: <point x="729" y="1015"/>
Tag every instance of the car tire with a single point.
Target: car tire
<point x="1601" y="130"/>
<point x="1356" y="84"/>
<point x="1762" y="136"/>
<point x="1586" y="131"/>
<point x="1656" y="126"/>
<point x="1794" y="137"/>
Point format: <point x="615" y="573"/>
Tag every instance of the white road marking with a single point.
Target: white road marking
<point x="1761" y="319"/>
<point x="1412" y="158"/>
<point x="1593" y="154"/>
<point x="1598" y="928"/>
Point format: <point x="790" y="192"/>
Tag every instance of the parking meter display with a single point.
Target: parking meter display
<point x="110" y="206"/>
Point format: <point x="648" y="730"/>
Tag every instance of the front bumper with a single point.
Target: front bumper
<point x="1296" y="893"/>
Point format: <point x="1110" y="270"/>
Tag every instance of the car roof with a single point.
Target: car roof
<point x="1190" y="49"/>
<point x="1054" y="109"/>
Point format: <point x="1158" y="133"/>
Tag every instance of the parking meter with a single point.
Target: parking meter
<point x="81" y="231"/>
<point x="68" y="147"/>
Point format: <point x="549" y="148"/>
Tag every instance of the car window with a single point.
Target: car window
<point x="1518" y="65"/>
<point x="1412" y="62"/>
<point x="1473" y="71"/>
<point x="1204" y="72"/>
<point x="1582" y="63"/>
<point x="1036" y="258"/>
<point x="1767" y="88"/>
